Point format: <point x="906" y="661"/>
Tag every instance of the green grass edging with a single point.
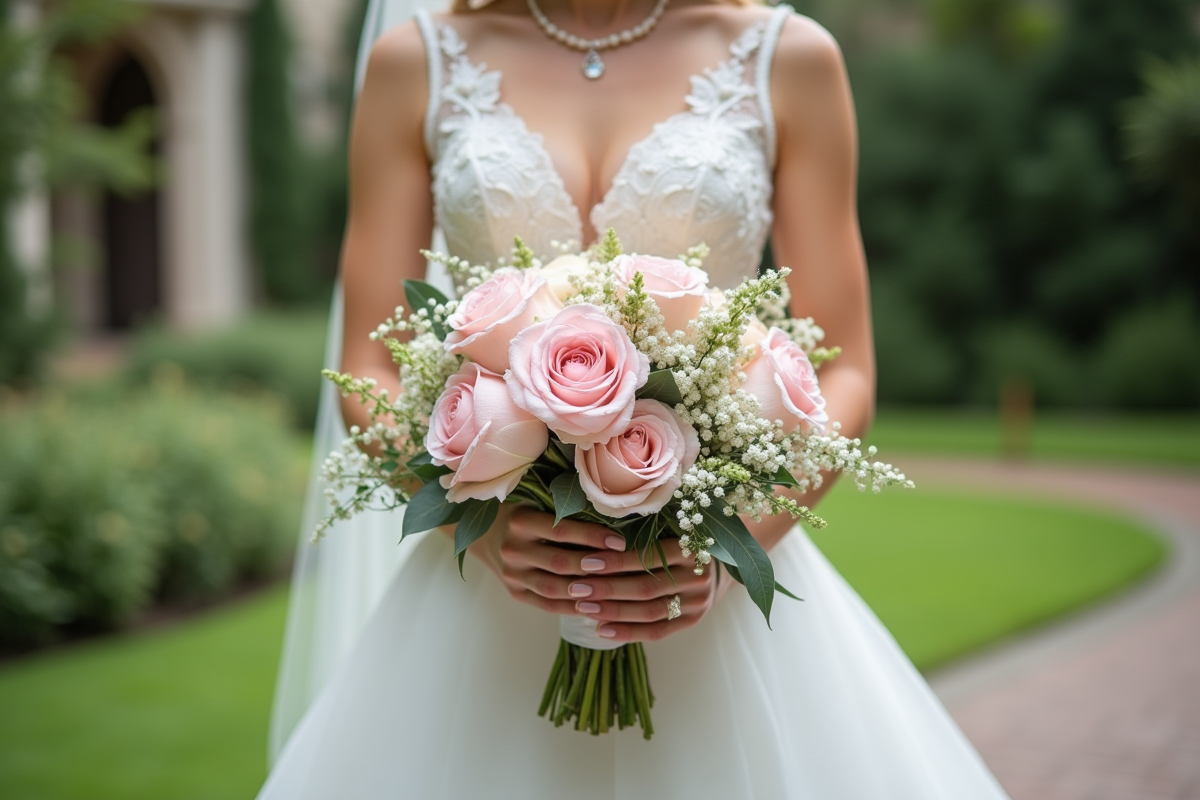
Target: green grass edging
<point x="948" y="573"/>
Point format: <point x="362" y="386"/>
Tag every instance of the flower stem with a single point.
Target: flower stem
<point x="586" y="709"/>
<point x="597" y="688"/>
<point x="560" y="664"/>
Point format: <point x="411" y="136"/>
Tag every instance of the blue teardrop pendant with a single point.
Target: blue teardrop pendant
<point x="593" y="67"/>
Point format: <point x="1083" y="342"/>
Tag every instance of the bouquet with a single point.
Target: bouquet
<point x="612" y="388"/>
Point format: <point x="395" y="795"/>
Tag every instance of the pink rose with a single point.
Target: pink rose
<point x="785" y="383"/>
<point x="577" y="373"/>
<point x="476" y="431"/>
<point x="493" y="313"/>
<point x="638" y="470"/>
<point x="678" y="289"/>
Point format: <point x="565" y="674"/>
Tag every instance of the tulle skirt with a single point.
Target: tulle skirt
<point x="438" y="699"/>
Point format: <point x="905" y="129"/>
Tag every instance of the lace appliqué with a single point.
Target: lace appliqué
<point x="702" y="175"/>
<point x="492" y="177"/>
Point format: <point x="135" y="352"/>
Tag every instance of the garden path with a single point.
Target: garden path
<point x="1104" y="706"/>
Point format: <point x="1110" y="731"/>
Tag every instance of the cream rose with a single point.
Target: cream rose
<point x="477" y="431"/>
<point x="755" y="332"/>
<point x="558" y="274"/>
<point x="494" y="312"/>
<point x="679" y="290"/>
<point x="783" y="380"/>
<point x="638" y="470"/>
<point x="577" y="373"/>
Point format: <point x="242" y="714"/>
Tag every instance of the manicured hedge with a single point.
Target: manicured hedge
<point x="166" y="494"/>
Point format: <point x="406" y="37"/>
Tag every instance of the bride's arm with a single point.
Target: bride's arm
<point x="816" y="230"/>
<point x="390" y="212"/>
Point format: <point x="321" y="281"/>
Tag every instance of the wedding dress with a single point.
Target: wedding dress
<point x="436" y="697"/>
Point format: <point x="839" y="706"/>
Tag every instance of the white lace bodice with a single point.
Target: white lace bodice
<point x="701" y="176"/>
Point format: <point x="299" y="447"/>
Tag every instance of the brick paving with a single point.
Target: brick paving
<point x="1115" y="713"/>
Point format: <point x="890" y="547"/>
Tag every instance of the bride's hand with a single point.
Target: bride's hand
<point x="600" y="581"/>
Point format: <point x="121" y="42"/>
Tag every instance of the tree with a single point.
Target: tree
<point x="43" y="143"/>
<point x="1162" y="126"/>
<point x="278" y="197"/>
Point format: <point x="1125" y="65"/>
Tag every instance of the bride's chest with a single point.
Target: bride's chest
<point x="702" y="175"/>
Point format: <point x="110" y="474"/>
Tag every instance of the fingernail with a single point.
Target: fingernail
<point x="614" y="543"/>
<point x="606" y="632"/>
<point x="584" y="607"/>
<point x="592" y="564"/>
<point x="579" y="590"/>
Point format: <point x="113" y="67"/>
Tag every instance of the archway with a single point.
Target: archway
<point x="130" y="223"/>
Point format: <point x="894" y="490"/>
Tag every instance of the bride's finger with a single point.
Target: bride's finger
<point x="635" y="586"/>
<point x="529" y="525"/>
<point x="563" y="607"/>
<point x="609" y="563"/>
<point x="649" y="611"/>
<point x="535" y="581"/>
<point x="625" y="632"/>
<point x="564" y="561"/>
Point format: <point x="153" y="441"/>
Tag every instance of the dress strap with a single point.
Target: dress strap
<point x="433" y="58"/>
<point x="766" y="55"/>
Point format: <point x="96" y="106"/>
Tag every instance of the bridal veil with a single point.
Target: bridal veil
<point x="337" y="583"/>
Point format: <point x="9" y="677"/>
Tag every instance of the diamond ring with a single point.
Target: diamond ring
<point x="673" y="608"/>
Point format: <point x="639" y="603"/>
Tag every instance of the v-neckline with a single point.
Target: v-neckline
<point x="539" y="138"/>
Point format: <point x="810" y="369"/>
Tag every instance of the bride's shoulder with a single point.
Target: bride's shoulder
<point x="810" y="90"/>
<point x="394" y="90"/>
<point x="398" y="57"/>
<point x="806" y="48"/>
<point x="801" y="39"/>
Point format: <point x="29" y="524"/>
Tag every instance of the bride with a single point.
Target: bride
<point x="706" y="121"/>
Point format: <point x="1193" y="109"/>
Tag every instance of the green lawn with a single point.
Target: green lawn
<point x="182" y="713"/>
<point x="947" y="573"/>
<point x="175" y="714"/>
<point x="1170" y="440"/>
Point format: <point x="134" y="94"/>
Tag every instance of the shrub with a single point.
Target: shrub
<point x="77" y="532"/>
<point x="1027" y="353"/>
<point x="278" y="353"/>
<point x="1151" y="357"/>
<point x="915" y="365"/>
<point x="173" y="495"/>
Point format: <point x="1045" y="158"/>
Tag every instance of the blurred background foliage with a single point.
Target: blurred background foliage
<point x="43" y="141"/>
<point x="1028" y="201"/>
<point x="112" y="501"/>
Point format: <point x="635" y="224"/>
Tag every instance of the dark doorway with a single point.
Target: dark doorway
<point x="132" y="257"/>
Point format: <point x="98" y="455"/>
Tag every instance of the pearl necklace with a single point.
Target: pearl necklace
<point x="593" y="65"/>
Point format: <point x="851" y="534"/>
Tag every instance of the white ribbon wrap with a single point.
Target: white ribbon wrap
<point x="582" y="631"/>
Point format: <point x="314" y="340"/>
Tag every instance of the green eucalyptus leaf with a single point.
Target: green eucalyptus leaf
<point x="783" y="591"/>
<point x="423" y="467"/>
<point x="643" y="534"/>
<point x="568" y="496"/>
<point x="785" y="478"/>
<point x="722" y="555"/>
<point x="752" y="563"/>
<point x="418" y="294"/>
<point x="661" y="386"/>
<point x="477" y="518"/>
<point x="428" y="509"/>
<point x="423" y="457"/>
<point x="568" y="450"/>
